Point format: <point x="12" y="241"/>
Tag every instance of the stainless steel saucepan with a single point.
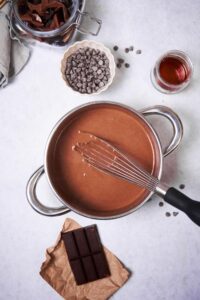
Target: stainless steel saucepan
<point x="67" y="203"/>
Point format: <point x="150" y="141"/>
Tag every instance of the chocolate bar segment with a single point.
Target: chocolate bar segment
<point x="70" y="245"/>
<point x="89" y="268"/>
<point x="86" y="255"/>
<point x="81" y="242"/>
<point x="93" y="238"/>
<point x="101" y="265"/>
<point x="78" y="271"/>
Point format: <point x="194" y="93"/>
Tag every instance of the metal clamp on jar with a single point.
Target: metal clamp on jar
<point x="59" y="36"/>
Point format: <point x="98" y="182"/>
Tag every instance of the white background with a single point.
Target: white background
<point x="163" y="253"/>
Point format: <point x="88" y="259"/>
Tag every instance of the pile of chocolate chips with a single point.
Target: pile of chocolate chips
<point x="44" y="15"/>
<point x="87" y="70"/>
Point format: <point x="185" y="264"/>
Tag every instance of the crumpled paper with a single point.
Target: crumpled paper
<point x="57" y="272"/>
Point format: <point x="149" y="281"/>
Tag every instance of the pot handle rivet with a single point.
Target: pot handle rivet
<point x="34" y="201"/>
<point x="174" y="120"/>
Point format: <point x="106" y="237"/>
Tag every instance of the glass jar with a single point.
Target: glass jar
<point x="59" y="36"/>
<point x="172" y="72"/>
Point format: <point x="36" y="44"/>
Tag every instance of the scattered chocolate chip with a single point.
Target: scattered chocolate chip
<point x="119" y="65"/>
<point x="167" y="214"/>
<point x="138" y="51"/>
<point x="115" y="48"/>
<point x="175" y="213"/>
<point x="131" y="48"/>
<point x="161" y="203"/>
<point x="182" y="186"/>
<point x="127" y="65"/>
<point x="121" y="60"/>
<point x="126" y="50"/>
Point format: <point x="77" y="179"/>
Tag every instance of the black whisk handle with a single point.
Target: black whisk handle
<point x="184" y="203"/>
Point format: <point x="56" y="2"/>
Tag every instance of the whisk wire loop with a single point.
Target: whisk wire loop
<point x="105" y="157"/>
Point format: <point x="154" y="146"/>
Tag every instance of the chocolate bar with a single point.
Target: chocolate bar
<point x="86" y="255"/>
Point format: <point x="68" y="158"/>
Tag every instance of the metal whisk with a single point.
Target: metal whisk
<point x="106" y="158"/>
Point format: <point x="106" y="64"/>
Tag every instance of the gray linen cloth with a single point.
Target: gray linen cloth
<point x="13" y="54"/>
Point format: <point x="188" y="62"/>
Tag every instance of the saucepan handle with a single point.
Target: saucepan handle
<point x="184" y="203"/>
<point x="174" y="120"/>
<point x="34" y="201"/>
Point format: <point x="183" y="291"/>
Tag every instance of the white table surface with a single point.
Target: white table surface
<point x="163" y="253"/>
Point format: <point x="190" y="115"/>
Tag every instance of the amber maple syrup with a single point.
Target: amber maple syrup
<point x="172" y="72"/>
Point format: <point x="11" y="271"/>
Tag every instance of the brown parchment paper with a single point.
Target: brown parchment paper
<point x="57" y="272"/>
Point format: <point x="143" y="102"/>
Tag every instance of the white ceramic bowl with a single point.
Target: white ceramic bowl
<point x="95" y="45"/>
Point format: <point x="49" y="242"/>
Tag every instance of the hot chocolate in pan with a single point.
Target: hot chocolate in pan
<point x="86" y="188"/>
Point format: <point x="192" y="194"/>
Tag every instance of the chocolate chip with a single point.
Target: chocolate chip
<point x="94" y="68"/>
<point x="120" y="60"/>
<point x="126" y="50"/>
<point x="175" y="213"/>
<point x="161" y="203"/>
<point x="138" y="51"/>
<point x="119" y="66"/>
<point x="127" y="65"/>
<point x="115" y="48"/>
<point x="131" y="48"/>
<point x="182" y="186"/>
<point x="101" y="84"/>
<point x="167" y="214"/>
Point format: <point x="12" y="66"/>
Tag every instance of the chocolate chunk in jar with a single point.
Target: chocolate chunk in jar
<point x="44" y="15"/>
<point x="34" y="1"/>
